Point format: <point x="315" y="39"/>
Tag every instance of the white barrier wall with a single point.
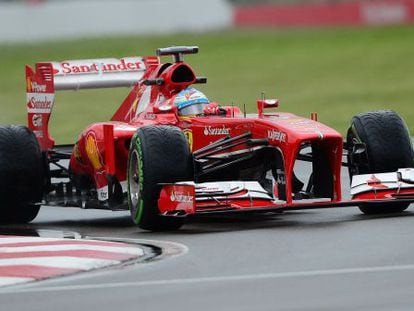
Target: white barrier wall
<point x="20" y="22"/>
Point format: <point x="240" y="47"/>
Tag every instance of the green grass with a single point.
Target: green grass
<point x="335" y="72"/>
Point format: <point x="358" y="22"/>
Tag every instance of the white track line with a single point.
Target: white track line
<point x="233" y="278"/>
<point x="68" y="247"/>
<point x="60" y="262"/>
<point x="13" y="280"/>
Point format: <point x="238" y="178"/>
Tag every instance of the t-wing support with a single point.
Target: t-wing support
<point x="177" y="52"/>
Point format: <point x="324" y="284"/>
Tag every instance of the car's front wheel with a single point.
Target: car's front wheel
<point x="387" y="145"/>
<point x="158" y="154"/>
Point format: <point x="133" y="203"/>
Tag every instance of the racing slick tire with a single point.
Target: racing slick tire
<point x="388" y="147"/>
<point x="21" y="172"/>
<point x="158" y="154"/>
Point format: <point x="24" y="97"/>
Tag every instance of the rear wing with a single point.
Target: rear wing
<point x="48" y="77"/>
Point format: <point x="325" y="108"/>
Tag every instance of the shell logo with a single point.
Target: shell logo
<point x="137" y="99"/>
<point x="189" y="136"/>
<point x="93" y="152"/>
<point x="29" y="85"/>
<point x="77" y="153"/>
<point x="189" y="94"/>
<point x="134" y="105"/>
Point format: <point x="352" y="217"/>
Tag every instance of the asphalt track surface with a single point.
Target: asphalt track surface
<point x="333" y="259"/>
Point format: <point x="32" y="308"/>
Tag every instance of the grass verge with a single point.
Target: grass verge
<point x="335" y="72"/>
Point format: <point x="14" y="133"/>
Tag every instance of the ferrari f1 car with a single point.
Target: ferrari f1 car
<point x="169" y="153"/>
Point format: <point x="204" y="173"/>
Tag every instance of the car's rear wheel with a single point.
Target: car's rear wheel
<point x="158" y="154"/>
<point x="21" y="174"/>
<point x="387" y="145"/>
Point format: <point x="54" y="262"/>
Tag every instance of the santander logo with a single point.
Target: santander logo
<point x="97" y="66"/>
<point x="210" y="130"/>
<point x="40" y="103"/>
<point x="181" y="197"/>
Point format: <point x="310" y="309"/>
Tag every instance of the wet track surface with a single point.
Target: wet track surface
<point x="333" y="259"/>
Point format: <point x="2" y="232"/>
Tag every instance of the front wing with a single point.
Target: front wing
<point x="188" y="198"/>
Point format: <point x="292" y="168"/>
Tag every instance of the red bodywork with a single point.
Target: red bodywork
<point x="101" y="153"/>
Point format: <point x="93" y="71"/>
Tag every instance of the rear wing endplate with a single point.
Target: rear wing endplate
<point x="48" y="77"/>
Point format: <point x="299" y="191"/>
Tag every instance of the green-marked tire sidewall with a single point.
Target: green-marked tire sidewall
<point x="138" y="209"/>
<point x="157" y="154"/>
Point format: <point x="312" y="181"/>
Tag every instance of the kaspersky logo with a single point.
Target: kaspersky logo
<point x="276" y="136"/>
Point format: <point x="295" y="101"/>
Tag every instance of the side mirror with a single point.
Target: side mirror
<point x="266" y="103"/>
<point x="165" y="108"/>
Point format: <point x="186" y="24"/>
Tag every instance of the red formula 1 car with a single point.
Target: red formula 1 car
<point x="169" y="153"/>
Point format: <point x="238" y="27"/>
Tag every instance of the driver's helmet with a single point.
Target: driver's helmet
<point x="190" y="102"/>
